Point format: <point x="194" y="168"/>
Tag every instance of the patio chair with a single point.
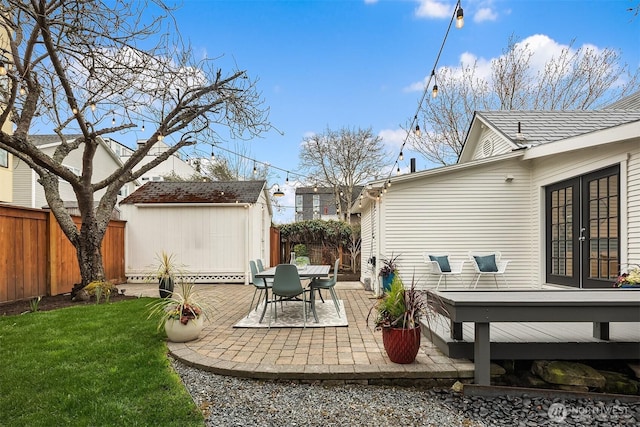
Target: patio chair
<point x="488" y="263"/>
<point x="442" y="266"/>
<point x="318" y="284"/>
<point x="287" y="286"/>
<point x="260" y="264"/>
<point x="259" y="283"/>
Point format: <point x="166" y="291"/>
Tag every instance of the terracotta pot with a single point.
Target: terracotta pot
<point x="401" y="345"/>
<point x="177" y="332"/>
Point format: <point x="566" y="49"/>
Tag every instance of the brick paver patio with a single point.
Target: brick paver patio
<point x="353" y="353"/>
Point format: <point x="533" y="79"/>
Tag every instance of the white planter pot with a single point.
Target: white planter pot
<point x="177" y="332"/>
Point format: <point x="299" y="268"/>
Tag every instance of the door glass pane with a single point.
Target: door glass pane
<point x="603" y="227"/>
<point x="561" y="232"/>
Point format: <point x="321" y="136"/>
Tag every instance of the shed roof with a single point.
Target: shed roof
<point x="541" y="127"/>
<point x="197" y="192"/>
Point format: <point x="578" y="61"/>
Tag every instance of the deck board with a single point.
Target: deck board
<point x="527" y="340"/>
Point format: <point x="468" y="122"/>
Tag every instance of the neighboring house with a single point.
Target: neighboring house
<point x="214" y="228"/>
<point x="321" y="203"/>
<point x="556" y="192"/>
<point x="29" y="193"/>
<point x="175" y="164"/>
<point x="6" y="170"/>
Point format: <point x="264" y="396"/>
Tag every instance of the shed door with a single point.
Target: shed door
<point x="582" y="231"/>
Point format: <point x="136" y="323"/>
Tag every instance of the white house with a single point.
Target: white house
<point x="556" y="192"/>
<point x="29" y="193"/>
<point x="213" y="228"/>
<point x="175" y="164"/>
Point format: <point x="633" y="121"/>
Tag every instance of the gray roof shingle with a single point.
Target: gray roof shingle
<point x="197" y="192"/>
<point x="541" y="127"/>
<point x="38" y="140"/>
<point x="630" y="102"/>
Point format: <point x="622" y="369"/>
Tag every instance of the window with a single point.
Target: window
<point x="4" y="158"/>
<point x="299" y="203"/>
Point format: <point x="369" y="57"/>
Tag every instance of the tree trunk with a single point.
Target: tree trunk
<point x="89" y="254"/>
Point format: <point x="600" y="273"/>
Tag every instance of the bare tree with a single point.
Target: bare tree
<point x="343" y="159"/>
<point x="79" y="66"/>
<point x="574" y="79"/>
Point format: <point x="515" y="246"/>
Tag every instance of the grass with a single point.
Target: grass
<point x="93" y="365"/>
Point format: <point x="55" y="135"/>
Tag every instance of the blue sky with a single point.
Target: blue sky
<point x="356" y="63"/>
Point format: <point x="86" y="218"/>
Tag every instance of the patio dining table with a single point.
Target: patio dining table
<point x="307" y="272"/>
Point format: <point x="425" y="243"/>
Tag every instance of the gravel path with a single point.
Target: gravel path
<point x="230" y="401"/>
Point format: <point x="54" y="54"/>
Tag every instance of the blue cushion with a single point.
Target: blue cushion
<point x="443" y="261"/>
<point x="486" y="264"/>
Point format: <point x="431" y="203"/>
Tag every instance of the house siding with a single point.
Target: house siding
<point x="491" y="144"/>
<point x="633" y="206"/>
<point x="23" y="186"/>
<point x="563" y="166"/>
<point x="368" y="249"/>
<point x="472" y="209"/>
<point x="29" y="193"/>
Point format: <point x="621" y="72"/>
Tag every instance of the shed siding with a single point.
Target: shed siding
<point x="470" y="209"/>
<point x="210" y="241"/>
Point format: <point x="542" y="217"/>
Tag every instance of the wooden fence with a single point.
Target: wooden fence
<point x="36" y="258"/>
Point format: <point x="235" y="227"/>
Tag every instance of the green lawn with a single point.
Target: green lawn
<point x="94" y="365"/>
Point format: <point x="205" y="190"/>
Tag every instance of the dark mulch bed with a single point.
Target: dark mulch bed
<point x="51" y="303"/>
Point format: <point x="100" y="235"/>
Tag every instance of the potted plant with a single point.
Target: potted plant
<point x="398" y="315"/>
<point x="630" y="279"/>
<point x="166" y="270"/>
<point x="181" y="314"/>
<point x="388" y="271"/>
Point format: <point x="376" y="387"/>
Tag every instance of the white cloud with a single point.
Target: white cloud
<point x="485" y="14"/>
<point x="393" y="138"/>
<point x="541" y="47"/>
<point x="434" y="9"/>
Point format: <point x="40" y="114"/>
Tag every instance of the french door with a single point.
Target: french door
<point x="583" y="230"/>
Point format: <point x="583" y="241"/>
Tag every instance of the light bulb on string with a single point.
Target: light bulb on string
<point x="417" y="131"/>
<point x="143" y="126"/>
<point x="3" y="69"/>
<point x="93" y="106"/>
<point x="459" y="18"/>
<point x="398" y="171"/>
<point x="113" y="120"/>
<point x="434" y="91"/>
<point x="315" y="188"/>
<point x="213" y="155"/>
<point x="287" y="180"/>
<point x="23" y="91"/>
<point x="74" y="110"/>
<point x="401" y="156"/>
<point x="255" y="170"/>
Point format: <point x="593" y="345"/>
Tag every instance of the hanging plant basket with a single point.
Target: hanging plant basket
<point x="401" y="345"/>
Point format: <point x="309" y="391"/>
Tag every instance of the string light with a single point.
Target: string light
<point x="458" y="16"/>
<point x="22" y="91"/>
<point x="255" y="170"/>
<point x="143" y="126"/>
<point x="3" y="69"/>
<point x="74" y="110"/>
<point x="93" y="106"/>
<point x="113" y="120"/>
